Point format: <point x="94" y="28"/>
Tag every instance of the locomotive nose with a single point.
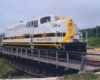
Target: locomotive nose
<point x="69" y="30"/>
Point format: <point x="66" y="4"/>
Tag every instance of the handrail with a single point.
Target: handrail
<point x="50" y="50"/>
<point x="55" y="59"/>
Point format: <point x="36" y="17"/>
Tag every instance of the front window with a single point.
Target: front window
<point x="45" y="19"/>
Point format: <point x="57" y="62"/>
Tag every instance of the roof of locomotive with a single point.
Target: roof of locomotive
<point x="22" y="22"/>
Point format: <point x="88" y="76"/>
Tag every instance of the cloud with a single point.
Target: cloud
<point x="85" y="13"/>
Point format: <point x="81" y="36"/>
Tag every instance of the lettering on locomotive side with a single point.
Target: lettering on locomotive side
<point x="45" y="39"/>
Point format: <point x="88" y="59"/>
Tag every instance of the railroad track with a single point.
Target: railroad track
<point x="92" y="63"/>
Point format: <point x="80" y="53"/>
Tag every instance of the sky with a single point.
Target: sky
<point x="85" y="13"/>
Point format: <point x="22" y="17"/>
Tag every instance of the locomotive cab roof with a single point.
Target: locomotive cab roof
<point x="40" y="20"/>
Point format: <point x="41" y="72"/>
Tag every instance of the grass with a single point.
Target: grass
<point x="86" y="76"/>
<point x="8" y="72"/>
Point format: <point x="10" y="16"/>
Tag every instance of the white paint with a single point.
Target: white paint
<point x="21" y="28"/>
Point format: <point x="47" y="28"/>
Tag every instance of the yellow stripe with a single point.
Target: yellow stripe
<point x="33" y="38"/>
<point x="33" y="44"/>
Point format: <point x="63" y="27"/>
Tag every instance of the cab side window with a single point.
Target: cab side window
<point x="32" y="24"/>
<point x="45" y="19"/>
<point x="35" y="23"/>
<point x="28" y="24"/>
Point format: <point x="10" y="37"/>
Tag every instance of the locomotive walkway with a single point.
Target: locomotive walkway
<point x="36" y="55"/>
